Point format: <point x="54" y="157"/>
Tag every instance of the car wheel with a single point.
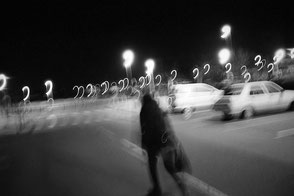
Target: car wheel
<point x="187" y="113"/>
<point x="227" y="116"/>
<point x="291" y="107"/>
<point x="247" y="113"/>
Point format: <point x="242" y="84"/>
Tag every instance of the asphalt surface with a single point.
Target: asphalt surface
<point x="95" y="151"/>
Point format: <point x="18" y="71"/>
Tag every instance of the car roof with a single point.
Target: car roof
<point x="194" y="84"/>
<point x="255" y="82"/>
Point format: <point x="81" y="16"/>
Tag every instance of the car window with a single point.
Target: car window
<point x="256" y="90"/>
<point x="272" y="88"/>
<point x="236" y="89"/>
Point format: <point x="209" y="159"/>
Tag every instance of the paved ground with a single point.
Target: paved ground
<point x="96" y="152"/>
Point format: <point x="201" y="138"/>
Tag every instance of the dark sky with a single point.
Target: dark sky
<point x="81" y="43"/>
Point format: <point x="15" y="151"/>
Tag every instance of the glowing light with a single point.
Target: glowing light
<point x="126" y="83"/>
<point x="226" y="30"/>
<point x="148" y="78"/>
<point x="142" y="80"/>
<point x="26" y="88"/>
<point x="245" y="69"/>
<point x="224" y="55"/>
<point x="175" y="72"/>
<point x="230" y="67"/>
<point x="197" y="73"/>
<point x="272" y="67"/>
<point x="3" y="78"/>
<point x="158" y="76"/>
<point x="81" y="87"/>
<point x="106" y="84"/>
<point x="208" y="68"/>
<point x="128" y="57"/>
<point x="247" y="77"/>
<point x="279" y="55"/>
<point x="77" y="91"/>
<point x="49" y="86"/>
<point x="91" y="89"/>
<point x="150" y="66"/>
<point x="259" y="61"/>
<point x="123" y="85"/>
<point x="291" y="53"/>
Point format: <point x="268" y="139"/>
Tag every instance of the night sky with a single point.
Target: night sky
<point x="80" y="43"/>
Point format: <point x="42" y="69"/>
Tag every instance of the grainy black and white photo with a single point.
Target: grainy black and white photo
<point x="147" y="98"/>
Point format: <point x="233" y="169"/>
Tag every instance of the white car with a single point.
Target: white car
<point x="247" y="99"/>
<point x="193" y="96"/>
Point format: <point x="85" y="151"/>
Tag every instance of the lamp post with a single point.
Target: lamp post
<point x="128" y="57"/>
<point x="150" y="64"/>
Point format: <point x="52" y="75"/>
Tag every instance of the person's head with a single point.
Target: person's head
<point x="147" y="98"/>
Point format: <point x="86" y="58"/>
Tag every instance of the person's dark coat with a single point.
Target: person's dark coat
<point x="156" y="130"/>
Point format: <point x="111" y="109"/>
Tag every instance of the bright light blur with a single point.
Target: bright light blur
<point x="50" y="84"/>
<point x="224" y="55"/>
<point x="158" y="76"/>
<point x="279" y="55"/>
<point x="150" y="66"/>
<point x="291" y="52"/>
<point x="175" y="72"/>
<point x="208" y="68"/>
<point x="26" y="88"/>
<point x="4" y="83"/>
<point x="230" y="67"/>
<point x="128" y="57"/>
<point x="195" y="70"/>
<point x="226" y="30"/>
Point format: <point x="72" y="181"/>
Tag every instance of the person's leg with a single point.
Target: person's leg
<point x="152" y="161"/>
<point x="169" y="160"/>
<point x="183" y="163"/>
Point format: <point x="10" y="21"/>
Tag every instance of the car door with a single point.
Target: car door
<point x="203" y="95"/>
<point x="275" y="95"/>
<point x="259" y="99"/>
<point x="184" y="96"/>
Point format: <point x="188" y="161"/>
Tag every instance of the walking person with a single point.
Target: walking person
<point x="159" y="139"/>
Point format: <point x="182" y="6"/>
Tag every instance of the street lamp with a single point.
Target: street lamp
<point x="224" y="55"/>
<point x="226" y="30"/>
<point x="227" y="35"/>
<point x="150" y="64"/>
<point x="128" y="57"/>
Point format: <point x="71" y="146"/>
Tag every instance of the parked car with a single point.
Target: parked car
<point x="246" y="99"/>
<point x="193" y="96"/>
